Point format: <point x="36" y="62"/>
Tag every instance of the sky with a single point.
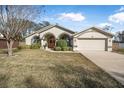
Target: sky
<point x="80" y="17"/>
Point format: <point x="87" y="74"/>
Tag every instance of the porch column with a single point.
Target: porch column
<point x="56" y="39"/>
<point x="42" y="44"/>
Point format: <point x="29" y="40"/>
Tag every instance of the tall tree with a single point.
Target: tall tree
<point x="14" y="20"/>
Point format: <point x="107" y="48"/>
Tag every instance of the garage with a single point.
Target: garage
<point x="91" y="44"/>
<point x="93" y="39"/>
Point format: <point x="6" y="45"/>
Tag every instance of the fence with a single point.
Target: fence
<point x="121" y="45"/>
<point x="116" y="46"/>
<point x="3" y="44"/>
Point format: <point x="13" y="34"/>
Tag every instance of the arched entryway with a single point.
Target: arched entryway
<point x="66" y="37"/>
<point x="50" y="39"/>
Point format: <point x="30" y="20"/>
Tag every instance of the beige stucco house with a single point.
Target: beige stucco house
<point x="92" y="38"/>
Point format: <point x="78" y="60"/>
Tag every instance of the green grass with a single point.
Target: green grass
<point x="38" y="68"/>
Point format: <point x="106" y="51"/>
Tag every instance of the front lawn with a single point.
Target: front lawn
<point x="38" y="68"/>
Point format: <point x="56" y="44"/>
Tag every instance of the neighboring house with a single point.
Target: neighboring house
<point x="3" y="43"/>
<point x="92" y="38"/>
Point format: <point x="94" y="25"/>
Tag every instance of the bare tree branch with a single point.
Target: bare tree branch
<point x="16" y="19"/>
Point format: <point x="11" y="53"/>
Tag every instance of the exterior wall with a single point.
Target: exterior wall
<point x="95" y="35"/>
<point x="75" y="48"/>
<point x="109" y="44"/>
<point x="28" y="39"/>
<point x="55" y="31"/>
<point x="92" y="34"/>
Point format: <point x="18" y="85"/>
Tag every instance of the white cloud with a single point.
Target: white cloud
<point x="104" y="24"/>
<point x="121" y="9"/>
<point x="117" y="18"/>
<point x="72" y="16"/>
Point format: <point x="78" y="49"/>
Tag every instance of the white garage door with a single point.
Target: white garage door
<point x="91" y="44"/>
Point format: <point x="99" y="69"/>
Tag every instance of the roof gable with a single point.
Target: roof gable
<point x="96" y="29"/>
<point x="51" y="26"/>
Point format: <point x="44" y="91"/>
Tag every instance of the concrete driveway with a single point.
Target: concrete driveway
<point x="112" y="63"/>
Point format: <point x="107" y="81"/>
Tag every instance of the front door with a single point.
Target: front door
<point x="51" y="42"/>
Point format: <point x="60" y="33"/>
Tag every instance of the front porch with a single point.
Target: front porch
<point x="49" y="41"/>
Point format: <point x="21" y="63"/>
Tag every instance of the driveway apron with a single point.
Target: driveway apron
<point x="111" y="62"/>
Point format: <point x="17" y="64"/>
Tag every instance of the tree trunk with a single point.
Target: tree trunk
<point x="9" y="46"/>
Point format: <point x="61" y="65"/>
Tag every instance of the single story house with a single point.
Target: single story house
<point x="92" y="38"/>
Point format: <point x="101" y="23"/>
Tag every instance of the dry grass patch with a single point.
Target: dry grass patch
<point x="38" y="68"/>
<point x="120" y="51"/>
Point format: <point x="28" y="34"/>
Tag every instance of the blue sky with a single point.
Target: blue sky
<point x="79" y="17"/>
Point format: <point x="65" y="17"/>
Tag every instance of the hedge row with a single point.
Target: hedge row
<point x="63" y="49"/>
<point x="33" y="46"/>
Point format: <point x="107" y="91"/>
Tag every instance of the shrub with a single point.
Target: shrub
<point x="23" y="47"/>
<point x="16" y="50"/>
<point x="35" y="46"/>
<point x="19" y="47"/>
<point x="70" y="49"/>
<point x="65" y="48"/>
<point x="57" y="48"/>
<point x="61" y="43"/>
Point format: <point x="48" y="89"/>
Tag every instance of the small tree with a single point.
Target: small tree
<point x="107" y="28"/>
<point x="14" y="20"/>
<point x="119" y="37"/>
